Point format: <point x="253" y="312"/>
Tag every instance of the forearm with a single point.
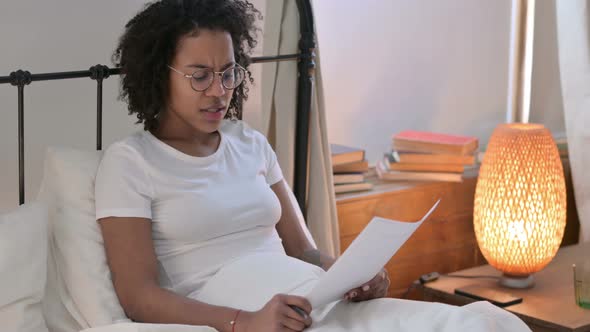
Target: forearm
<point x="291" y="231"/>
<point x="316" y="257"/>
<point x="153" y="304"/>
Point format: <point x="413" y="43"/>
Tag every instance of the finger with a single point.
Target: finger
<point x="373" y="284"/>
<point x="293" y="324"/>
<point x="387" y="283"/>
<point x="292" y="313"/>
<point x="376" y="281"/>
<point x="360" y="293"/>
<point x="381" y="276"/>
<point x="380" y="290"/>
<point x="351" y="294"/>
<point x="365" y="291"/>
<point x="372" y="291"/>
<point x="300" y="302"/>
<point x="363" y="296"/>
<point x="384" y="288"/>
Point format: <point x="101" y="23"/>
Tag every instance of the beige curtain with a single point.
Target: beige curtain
<point x="573" y="34"/>
<point x="321" y="207"/>
<point x="279" y="100"/>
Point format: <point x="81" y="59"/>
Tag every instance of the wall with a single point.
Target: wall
<point x="425" y="65"/>
<point x="547" y="101"/>
<point x="61" y="35"/>
<point x="387" y="66"/>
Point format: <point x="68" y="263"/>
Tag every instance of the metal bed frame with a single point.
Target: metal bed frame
<point x="306" y="66"/>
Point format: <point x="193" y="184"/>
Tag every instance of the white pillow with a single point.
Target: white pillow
<point x="23" y="264"/>
<point x="80" y="292"/>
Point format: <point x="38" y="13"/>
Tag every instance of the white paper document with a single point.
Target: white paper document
<point x="364" y="258"/>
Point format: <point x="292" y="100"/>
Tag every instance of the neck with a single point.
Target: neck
<point x="172" y="128"/>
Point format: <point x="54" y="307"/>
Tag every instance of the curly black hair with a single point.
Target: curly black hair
<point x="149" y="44"/>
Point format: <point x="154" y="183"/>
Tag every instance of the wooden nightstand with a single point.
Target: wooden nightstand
<point x="548" y="306"/>
<point x="444" y="243"/>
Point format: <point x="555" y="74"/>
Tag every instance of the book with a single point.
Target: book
<point x="344" y="154"/>
<point x="429" y="142"/>
<point x="561" y="143"/>
<point x="354" y="167"/>
<point x="395" y="165"/>
<point x="384" y="173"/>
<point x="348" y="178"/>
<point x="352" y="187"/>
<point x="430" y="158"/>
<point x="415" y="167"/>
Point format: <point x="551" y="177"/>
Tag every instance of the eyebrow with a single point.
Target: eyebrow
<point x="224" y="67"/>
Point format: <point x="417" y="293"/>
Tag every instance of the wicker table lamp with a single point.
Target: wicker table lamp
<point x="520" y="202"/>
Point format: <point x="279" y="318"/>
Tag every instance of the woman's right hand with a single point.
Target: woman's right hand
<point x="277" y="315"/>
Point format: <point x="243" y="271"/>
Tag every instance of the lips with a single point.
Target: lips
<point x="213" y="113"/>
<point x="213" y="109"/>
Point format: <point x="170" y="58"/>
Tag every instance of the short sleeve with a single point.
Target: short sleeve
<point x="123" y="188"/>
<point x="273" y="171"/>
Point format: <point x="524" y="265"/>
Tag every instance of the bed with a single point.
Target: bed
<point x="54" y="270"/>
<point x="59" y="224"/>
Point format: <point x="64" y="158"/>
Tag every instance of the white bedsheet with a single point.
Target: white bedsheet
<point x="262" y="276"/>
<point x="377" y="315"/>
<point x="140" y="327"/>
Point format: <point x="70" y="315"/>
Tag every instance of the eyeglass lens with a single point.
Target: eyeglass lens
<point x="231" y="78"/>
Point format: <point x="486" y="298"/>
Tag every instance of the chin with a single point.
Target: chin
<point x="209" y="126"/>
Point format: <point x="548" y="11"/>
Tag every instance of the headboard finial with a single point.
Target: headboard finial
<point x="99" y="72"/>
<point x="20" y="78"/>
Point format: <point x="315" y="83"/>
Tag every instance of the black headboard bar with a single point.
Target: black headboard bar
<point x="21" y="78"/>
<point x="117" y="71"/>
<point x="21" y="143"/>
<point x="99" y="73"/>
<point x="277" y="58"/>
<point x="304" y="92"/>
<point x="52" y="76"/>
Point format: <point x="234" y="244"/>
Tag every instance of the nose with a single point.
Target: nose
<point x="216" y="89"/>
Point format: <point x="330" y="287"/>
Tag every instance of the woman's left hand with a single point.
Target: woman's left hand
<point x="373" y="289"/>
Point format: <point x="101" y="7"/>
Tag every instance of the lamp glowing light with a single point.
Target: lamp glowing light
<point x="520" y="202"/>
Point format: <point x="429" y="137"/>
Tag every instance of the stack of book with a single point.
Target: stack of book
<point x="349" y="167"/>
<point x="561" y="143"/>
<point x="428" y="156"/>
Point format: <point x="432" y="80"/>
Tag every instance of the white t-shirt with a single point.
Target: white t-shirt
<point x="205" y="211"/>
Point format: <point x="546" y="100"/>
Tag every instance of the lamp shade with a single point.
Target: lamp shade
<point x="520" y="200"/>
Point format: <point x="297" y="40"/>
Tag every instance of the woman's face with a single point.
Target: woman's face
<point x="203" y="111"/>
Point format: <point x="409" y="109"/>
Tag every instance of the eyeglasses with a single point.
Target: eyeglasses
<point x="202" y="78"/>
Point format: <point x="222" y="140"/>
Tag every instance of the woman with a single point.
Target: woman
<point x="196" y="193"/>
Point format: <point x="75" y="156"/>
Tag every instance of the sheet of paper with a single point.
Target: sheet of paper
<point x="364" y="258"/>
